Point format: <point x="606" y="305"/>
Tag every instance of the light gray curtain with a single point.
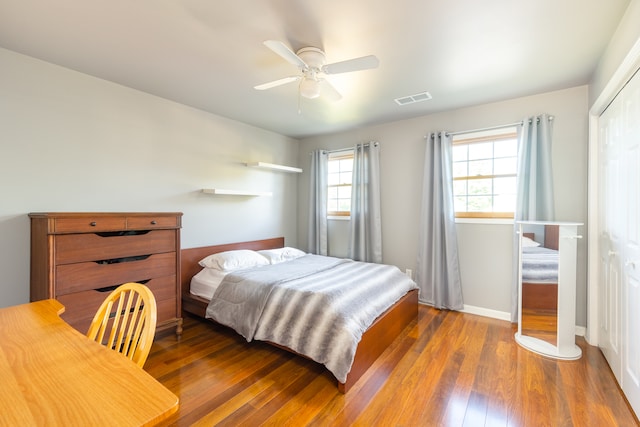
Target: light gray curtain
<point x="365" y="243"/>
<point x="318" y="203"/>
<point x="534" y="198"/>
<point x="438" y="268"/>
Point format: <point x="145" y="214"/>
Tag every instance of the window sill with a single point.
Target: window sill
<point x="501" y="221"/>
<point x="339" y="218"/>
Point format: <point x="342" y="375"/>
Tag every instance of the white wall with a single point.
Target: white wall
<point x="624" y="39"/>
<point x="71" y="142"/>
<point x="485" y="250"/>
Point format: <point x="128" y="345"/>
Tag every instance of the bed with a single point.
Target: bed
<point x="374" y="340"/>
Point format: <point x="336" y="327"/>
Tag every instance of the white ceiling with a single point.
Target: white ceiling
<point x="209" y="53"/>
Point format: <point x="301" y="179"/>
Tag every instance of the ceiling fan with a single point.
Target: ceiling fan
<point x="311" y="62"/>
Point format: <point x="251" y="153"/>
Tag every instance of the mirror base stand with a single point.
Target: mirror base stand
<point x="543" y="348"/>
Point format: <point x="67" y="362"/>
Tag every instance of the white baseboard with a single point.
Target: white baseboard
<point x="502" y="315"/>
<point x="486" y="312"/>
<point x="481" y="311"/>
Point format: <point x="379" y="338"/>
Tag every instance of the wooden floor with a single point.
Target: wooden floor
<point x="446" y="369"/>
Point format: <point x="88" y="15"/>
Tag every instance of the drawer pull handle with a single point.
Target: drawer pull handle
<point x="114" y="287"/>
<point x="124" y="259"/>
<point x="153" y="222"/>
<point x="121" y="233"/>
<point x="93" y="223"/>
<point x="107" y="288"/>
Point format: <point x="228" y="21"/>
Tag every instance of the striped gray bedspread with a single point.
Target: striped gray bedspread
<point x="539" y="265"/>
<point x="317" y="306"/>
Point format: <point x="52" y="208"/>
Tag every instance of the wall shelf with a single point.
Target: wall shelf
<point x="221" y="192"/>
<point x="272" y="166"/>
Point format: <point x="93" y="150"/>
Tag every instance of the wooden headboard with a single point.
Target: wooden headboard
<point x="551" y="236"/>
<point x="189" y="258"/>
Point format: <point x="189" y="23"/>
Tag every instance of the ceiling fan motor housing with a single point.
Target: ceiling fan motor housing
<point x="313" y="57"/>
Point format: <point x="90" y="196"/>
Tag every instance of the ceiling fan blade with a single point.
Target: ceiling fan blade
<point x="282" y="50"/>
<point x="279" y="82"/>
<point x="355" y="64"/>
<point x="328" y="91"/>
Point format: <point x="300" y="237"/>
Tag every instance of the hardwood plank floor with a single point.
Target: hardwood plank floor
<point x="446" y="369"/>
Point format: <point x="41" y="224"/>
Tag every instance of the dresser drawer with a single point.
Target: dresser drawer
<point x="151" y="222"/>
<point x="85" y="276"/>
<point x="81" y="307"/>
<point x="89" y="224"/>
<point x="164" y="288"/>
<point x="71" y="248"/>
<point x="167" y="310"/>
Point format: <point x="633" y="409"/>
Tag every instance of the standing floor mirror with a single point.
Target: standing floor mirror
<point x="547" y="288"/>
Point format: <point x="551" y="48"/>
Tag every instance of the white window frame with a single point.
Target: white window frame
<point x="468" y="138"/>
<point x="333" y="157"/>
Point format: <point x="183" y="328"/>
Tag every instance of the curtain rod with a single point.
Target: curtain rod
<point x="462" y="132"/>
<point x="366" y="144"/>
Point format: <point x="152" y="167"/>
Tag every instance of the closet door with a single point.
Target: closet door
<point x="610" y="222"/>
<point x="619" y="240"/>
<point x="631" y="240"/>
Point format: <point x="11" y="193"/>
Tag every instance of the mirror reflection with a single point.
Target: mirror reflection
<point x="539" y="275"/>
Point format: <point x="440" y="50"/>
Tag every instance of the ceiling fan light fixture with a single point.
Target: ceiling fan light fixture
<point x="310" y="88"/>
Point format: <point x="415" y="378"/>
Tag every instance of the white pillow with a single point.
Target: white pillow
<point x="234" y="260"/>
<point x="528" y="243"/>
<point x="279" y="255"/>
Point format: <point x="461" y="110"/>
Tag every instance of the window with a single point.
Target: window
<point x="340" y="171"/>
<point x="484" y="174"/>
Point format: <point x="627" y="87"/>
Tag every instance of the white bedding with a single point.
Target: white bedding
<point x="205" y="283"/>
<point x="217" y="266"/>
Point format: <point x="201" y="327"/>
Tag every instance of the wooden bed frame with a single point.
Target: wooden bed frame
<point x="374" y="341"/>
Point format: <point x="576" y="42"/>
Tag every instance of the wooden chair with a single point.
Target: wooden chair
<point x="127" y="327"/>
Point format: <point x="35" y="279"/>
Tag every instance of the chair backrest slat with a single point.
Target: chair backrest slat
<point x="130" y="328"/>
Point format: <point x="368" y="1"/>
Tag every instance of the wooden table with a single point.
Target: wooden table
<point x="50" y="374"/>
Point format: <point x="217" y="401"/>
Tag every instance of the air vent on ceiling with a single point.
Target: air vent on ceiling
<point x="411" y="99"/>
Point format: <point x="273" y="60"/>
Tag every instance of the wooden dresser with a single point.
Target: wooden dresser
<point x="78" y="258"/>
